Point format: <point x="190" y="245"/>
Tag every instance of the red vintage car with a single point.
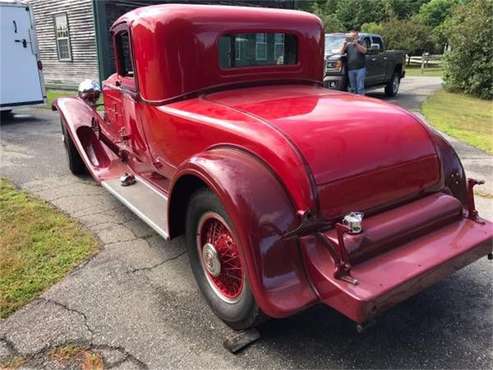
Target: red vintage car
<point x="216" y="126"/>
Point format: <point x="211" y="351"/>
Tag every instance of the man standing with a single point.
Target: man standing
<point x="355" y="51"/>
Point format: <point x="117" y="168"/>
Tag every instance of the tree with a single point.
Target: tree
<point x="333" y="24"/>
<point x="433" y="13"/>
<point x="373" y="27"/>
<point x="354" y="13"/>
<point x="325" y="11"/>
<point x="469" y="64"/>
<point x="403" y="9"/>
<point x="409" y="35"/>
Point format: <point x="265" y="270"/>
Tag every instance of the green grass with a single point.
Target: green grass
<point x="464" y="117"/>
<point x="39" y="245"/>
<point x="414" y="70"/>
<point x="51" y="95"/>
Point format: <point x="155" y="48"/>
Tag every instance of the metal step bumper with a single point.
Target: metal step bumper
<point x="144" y="200"/>
<point x="397" y="274"/>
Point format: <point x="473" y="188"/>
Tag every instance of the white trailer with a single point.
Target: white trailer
<point x="21" y="79"/>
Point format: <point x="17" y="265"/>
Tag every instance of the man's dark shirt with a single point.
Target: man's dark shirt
<point x="355" y="58"/>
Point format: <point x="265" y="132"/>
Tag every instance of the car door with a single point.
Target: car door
<point x="381" y="60"/>
<point x="113" y="119"/>
<point x="371" y="62"/>
<point x="121" y="98"/>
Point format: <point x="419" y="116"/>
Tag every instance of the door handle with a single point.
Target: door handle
<point x="373" y="59"/>
<point x="23" y="41"/>
<point x="384" y="58"/>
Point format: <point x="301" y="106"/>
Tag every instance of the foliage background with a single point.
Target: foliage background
<point x="462" y="30"/>
<point x="469" y="63"/>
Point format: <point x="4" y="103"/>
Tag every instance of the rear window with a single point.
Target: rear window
<point x="257" y="49"/>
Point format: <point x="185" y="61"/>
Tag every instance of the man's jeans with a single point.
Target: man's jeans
<point x="357" y="80"/>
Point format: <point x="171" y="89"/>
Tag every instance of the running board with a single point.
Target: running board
<point x="144" y="200"/>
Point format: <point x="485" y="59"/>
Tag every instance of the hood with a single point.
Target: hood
<point x="333" y="56"/>
<point x="372" y="149"/>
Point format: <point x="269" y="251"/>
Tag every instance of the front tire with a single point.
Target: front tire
<point x="213" y="251"/>
<point x="392" y="87"/>
<point x="75" y="163"/>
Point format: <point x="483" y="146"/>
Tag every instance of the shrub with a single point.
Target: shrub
<point x="469" y="63"/>
<point x="408" y="35"/>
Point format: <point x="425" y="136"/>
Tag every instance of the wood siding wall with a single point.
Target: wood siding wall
<point x="84" y="64"/>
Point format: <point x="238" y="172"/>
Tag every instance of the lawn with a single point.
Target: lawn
<point x="414" y="70"/>
<point x="39" y="245"/>
<point x="464" y="117"/>
<point x="51" y="95"/>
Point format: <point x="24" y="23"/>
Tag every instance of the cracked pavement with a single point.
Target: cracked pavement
<point x="136" y="302"/>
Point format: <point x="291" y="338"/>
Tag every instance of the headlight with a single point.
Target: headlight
<point x="334" y="66"/>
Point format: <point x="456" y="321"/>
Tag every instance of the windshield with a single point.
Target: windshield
<point x="334" y="43"/>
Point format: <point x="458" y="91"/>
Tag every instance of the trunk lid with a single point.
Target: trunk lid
<point x="363" y="152"/>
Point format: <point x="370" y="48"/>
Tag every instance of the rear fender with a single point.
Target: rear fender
<point x="261" y="212"/>
<point x="79" y="120"/>
<point x="453" y="176"/>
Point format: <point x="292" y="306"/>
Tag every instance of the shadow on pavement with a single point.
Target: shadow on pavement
<point x="21" y="117"/>
<point x="435" y="329"/>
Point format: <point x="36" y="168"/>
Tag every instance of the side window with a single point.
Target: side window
<point x="62" y="37"/>
<point x="125" y="66"/>
<point x="366" y="42"/>
<point x="378" y="40"/>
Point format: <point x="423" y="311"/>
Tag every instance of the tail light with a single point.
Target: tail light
<point x="40" y="65"/>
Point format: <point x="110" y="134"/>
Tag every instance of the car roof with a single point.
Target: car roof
<point x="168" y="67"/>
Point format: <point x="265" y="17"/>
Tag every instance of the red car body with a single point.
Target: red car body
<point x="287" y="158"/>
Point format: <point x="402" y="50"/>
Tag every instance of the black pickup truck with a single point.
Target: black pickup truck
<point x="384" y="68"/>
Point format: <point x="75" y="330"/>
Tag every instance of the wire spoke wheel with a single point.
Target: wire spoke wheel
<point x="219" y="257"/>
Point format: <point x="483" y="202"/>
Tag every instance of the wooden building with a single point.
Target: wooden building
<point x="74" y="39"/>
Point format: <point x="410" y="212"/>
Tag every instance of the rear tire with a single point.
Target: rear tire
<point x="75" y="163"/>
<point x="213" y="251"/>
<point x="392" y="87"/>
<point x="6" y="114"/>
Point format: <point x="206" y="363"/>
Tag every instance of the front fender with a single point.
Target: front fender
<point x="79" y="120"/>
<point x="261" y="211"/>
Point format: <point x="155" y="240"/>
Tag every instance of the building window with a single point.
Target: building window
<point x="261" y="47"/>
<point x="279" y="47"/>
<point x="62" y="36"/>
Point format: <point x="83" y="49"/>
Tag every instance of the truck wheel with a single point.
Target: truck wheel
<point x="75" y="163"/>
<point x="6" y="114"/>
<point x="214" y="257"/>
<point x="392" y="87"/>
<point x="343" y="84"/>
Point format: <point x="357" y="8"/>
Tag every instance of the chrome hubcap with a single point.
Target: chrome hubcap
<point x="211" y="260"/>
<point x="396" y="84"/>
<point x="220" y="258"/>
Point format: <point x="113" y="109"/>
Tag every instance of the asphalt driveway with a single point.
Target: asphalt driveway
<point x="137" y="304"/>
